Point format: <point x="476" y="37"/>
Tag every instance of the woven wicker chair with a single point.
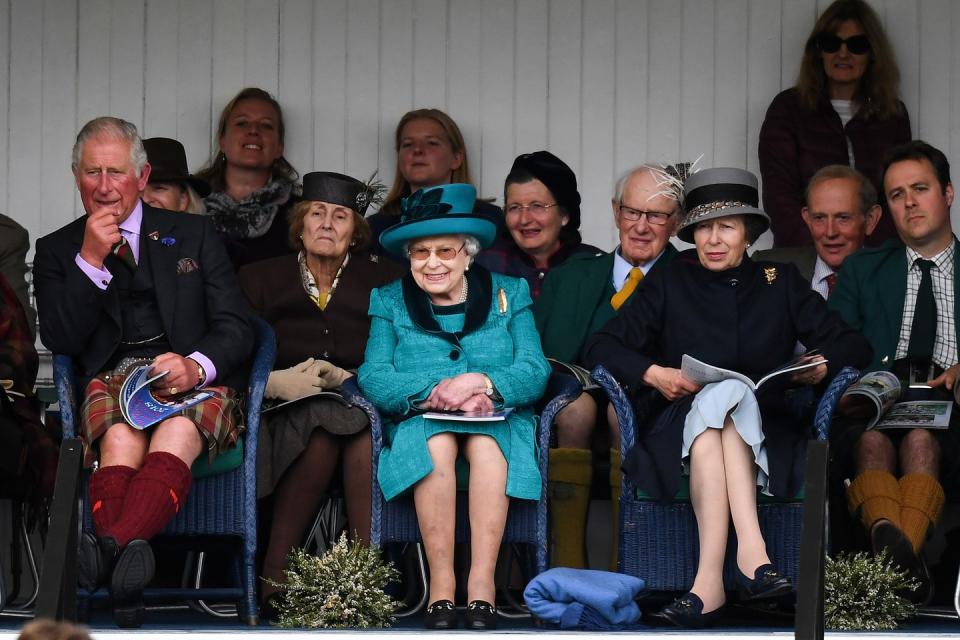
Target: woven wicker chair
<point x="396" y="521"/>
<point x="658" y="542"/>
<point x="221" y="503"/>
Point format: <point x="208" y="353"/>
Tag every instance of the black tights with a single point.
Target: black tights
<point x="298" y="494"/>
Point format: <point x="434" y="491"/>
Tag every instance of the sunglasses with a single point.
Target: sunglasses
<point x="831" y="43"/>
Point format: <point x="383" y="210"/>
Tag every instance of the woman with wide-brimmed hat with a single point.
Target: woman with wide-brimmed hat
<point x="451" y="336"/>
<point x="171" y="186"/>
<point x="719" y="306"/>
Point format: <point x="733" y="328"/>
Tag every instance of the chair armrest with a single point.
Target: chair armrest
<point x="64" y="379"/>
<point x="623" y="409"/>
<point x="828" y="401"/>
<point x="260" y="368"/>
<point x="351" y="393"/>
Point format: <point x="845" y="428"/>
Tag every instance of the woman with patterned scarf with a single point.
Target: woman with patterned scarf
<point x="253" y="184"/>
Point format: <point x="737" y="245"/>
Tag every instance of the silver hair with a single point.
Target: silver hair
<point x="195" y="203"/>
<point x="655" y="171"/>
<point x="116" y="129"/>
<point x="471" y="246"/>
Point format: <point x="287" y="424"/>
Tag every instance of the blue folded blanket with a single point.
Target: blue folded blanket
<point x="584" y="599"/>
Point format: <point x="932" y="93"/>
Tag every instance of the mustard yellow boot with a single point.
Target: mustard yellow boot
<point x="569" y="481"/>
<point x="614" y="507"/>
<point x="921" y="498"/>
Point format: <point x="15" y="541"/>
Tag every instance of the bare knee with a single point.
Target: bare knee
<point x="920" y="453"/>
<point x="708" y="443"/>
<point x="180" y="437"/>
<point x="123" y="445"/>
<point x="443" y="452"/>
<point x="575" y="422"/>
<point x="874" y="450"/>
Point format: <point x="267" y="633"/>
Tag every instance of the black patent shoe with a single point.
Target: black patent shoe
<point x="95" y="560"/>
<point x="885" y="536"/>
<point x="441" y="615"/>
<point x="481" y="615"/>
<point x="685" y="612"/>
<point x="766" y="584"/>
<point x="132" y="572"/>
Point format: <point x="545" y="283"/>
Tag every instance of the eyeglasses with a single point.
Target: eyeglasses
<point x="658" y="218"/>
<point x="536" y="208"/>
<point x="443" y="253"/>
<point x="831" y="43"/>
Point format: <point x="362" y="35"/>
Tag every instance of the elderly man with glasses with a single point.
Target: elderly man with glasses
<point x="577" y="299"/>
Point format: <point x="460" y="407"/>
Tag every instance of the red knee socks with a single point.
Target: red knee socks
<point x="107" y="488"/>
<point x="153" y="498"/>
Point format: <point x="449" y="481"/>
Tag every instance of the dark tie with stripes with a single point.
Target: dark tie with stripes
<point x="123" y="251"/>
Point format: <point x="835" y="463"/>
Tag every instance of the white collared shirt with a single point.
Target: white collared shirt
<point x="621" y="268"/>
<point x="821" y="271"/>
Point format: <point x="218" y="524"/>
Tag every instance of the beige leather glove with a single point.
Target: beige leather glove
<point x="296" y="382"/>
<point x="331" y="375"/>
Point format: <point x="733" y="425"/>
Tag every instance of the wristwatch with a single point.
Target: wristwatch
<point x="201" y="375"/>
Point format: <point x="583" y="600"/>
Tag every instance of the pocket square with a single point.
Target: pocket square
<point x="186" y="265"/>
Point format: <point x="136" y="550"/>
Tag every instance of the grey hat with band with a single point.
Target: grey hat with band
<point x="720" y="192"/>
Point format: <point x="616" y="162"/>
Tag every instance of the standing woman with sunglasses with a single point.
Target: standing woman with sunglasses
<point x="844" y="109"/>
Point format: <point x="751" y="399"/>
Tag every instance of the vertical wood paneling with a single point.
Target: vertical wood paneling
<point x="431" y="33"/>
<point x="194" y="86"/>
<point x="396" y="71"/>
<point x="530" y="79"/>
<point x="604" y="84"/>
<point x="295" y="91"/>
<point x="26" y="119"/>
<point x="329" y="78"/>
<point x="564" y="75"/>
<point x="58" y="106"/>
<point x="596" y="167"/>
<point x="363" y="88"/>
<point x="496" y="96"/>
<point x="665" y="35"/>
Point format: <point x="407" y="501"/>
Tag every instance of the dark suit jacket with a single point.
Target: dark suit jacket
<point x="202" y="310"/>
<point x="803" y="258"/>
<point x="870" y="293"/>
<point x="575" y="302"/>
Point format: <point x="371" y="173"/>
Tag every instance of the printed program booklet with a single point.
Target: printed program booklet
<point x="469" y="416"/>
<point x="703" y="373"/>
<point x="141" y="408"/>
<point x="330" y="395"/>
<point x="582" y="375"/>
<point x="874" y="398"/>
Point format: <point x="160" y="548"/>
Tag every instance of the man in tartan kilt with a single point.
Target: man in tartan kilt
<point x="127" y="283"/>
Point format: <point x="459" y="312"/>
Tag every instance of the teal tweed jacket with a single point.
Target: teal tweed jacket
<point x="410" y="350"/>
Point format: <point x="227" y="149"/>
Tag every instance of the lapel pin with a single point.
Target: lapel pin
<point x="153" y="235"/>
<point x="770" y="273"/>
<point x="502" y="300"/>
<point x="167" y="241"/>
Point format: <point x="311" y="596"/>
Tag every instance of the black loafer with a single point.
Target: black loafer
<point x="885" y="536"/>
<point x="686" y="612"/>
<point x="132" y="572"/>
<point x="95" y="560"/>
<point x="766" y="584"/>
<point x="441" y="615"/>
<point x="481" y="615"/>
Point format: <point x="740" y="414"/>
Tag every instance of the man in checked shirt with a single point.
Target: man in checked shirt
<point x="901" y="295"/>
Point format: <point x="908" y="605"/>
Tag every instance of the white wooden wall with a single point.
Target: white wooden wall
<point x="604" y="84"/>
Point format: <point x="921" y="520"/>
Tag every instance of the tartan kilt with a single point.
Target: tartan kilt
<point x="218" y="418"/>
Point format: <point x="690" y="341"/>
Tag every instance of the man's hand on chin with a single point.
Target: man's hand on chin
<point x="101" y="232"/>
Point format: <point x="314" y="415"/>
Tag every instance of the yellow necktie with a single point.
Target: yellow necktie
<point x="628" y="288"/>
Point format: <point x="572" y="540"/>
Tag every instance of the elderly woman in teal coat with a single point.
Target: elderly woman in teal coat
<point x="451" y="336"/>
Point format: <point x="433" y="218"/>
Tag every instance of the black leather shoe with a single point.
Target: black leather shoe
<point x="885" y="536"/>
<point x="95" y="560"/>
<point x="766" y="584"/>
<point x="132" y="572"/>
<point x="686" y="612"/>
<point x="481" y="615"/>
<point x="441" y="615"/>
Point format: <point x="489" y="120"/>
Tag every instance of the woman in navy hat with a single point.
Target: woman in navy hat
<point x="316" y="300"/>
<point x="451" y="336"/>
<point x="719" y="306"/>
<point x="541" y="207"/>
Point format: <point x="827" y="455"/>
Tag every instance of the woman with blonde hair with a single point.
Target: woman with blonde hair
<point x="430" y="152"/>
<point x="844" y="109"/>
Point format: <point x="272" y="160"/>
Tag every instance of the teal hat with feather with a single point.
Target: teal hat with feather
<point x="439" y="211"/>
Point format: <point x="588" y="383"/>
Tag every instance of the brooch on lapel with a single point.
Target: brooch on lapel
<point x="502" y="300"/>
<point x="186" y="265"/>
<point x="154" y="235"/>
<point x="770" y="273"/>
<point x="167" y="241"/>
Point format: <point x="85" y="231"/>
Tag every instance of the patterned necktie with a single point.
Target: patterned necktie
<point x="923" y="331"/>
<point x="636" y="275"/>
<point x="830" y="280"/>
<point x="123" y="251"/>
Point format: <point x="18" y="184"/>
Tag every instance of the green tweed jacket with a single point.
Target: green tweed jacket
<point x="575" y="302"/>
<point x="411" y="349"/>
<point x="870" y="293"/>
